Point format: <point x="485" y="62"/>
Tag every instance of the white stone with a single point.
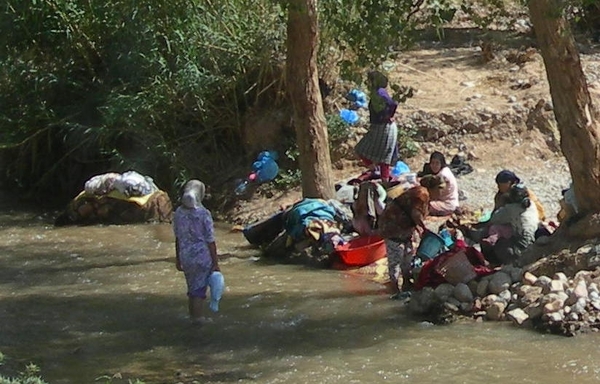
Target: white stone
<point x="553" y="306"/>
<point x="573" y="316"/>
<point x="517" y="315"/>
<point x="529" y="278"/>
<point x="505" y="296"/>
<point x="560" y="276"/>
<point x="544" y="283"/>
<point x="580" y="289"/>
<point x="557" y="285"/>
<point x="593" y="287"/>
<point x="555" y="317"/>
<point x="489" y="300"/>
<point x="596" y="304"/>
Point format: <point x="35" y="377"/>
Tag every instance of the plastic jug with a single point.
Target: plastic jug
<point x="216" y="283"/>
<point x="400" y="168"/>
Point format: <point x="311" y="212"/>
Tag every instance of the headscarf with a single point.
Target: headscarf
<point x="520" y="195"/>
<point x="377" y="79"/>
<point x="193" y="194"/>
<point x="506" y="176"/>
<point x="440" y="157"/>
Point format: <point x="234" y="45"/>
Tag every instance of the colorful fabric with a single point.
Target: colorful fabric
<point x="401" y="215"/>
<point x="303" y="212"/>
<point x="194" y="231"/>
<point x="379" y="144"/>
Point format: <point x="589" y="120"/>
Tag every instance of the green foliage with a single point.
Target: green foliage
<point x="29" y="376"/>
<point x="407" y="146"/>
<point x="337" y="129"/>
<point x="159" y="87"/>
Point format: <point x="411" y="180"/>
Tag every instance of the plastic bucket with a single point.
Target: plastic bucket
<point x="431" y="245"/>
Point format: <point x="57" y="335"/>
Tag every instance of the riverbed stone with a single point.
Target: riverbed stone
<point x="595" y="304"/>
<point x="557" y="285"/>
<point x="594" y="295"/>
<point x="517" y="315"/>
<point x="505" y="296"/>
<point x="534" y="311"/>
<point x="463" y="293"/>
<point x="580" y="289"/>
<point x="555" y="317"/>
<point x="553" y="306"/>
<point x="593" y="287"/>
<point x="529" y="278"/>
<point x="583" y="275"/>
<point x="560" y="276"/>
<point x="579" y="307"/>
<point x="499" y="282"/>
<point x="489" y="300"/>
<point x="444" y="291"/>
<point x="544" y="283"/>
<point x="482" y="287"/>
<point x="495" y="310"/>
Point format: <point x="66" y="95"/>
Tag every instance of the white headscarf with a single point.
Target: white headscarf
<point x="193" y="194"/>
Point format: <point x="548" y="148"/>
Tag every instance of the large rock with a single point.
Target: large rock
<point x="499" y="282"/>
<point x="444" y="291"/>
<point x="463" y="293"/>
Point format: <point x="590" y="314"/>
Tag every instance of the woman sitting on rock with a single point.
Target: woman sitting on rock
<point x="510" y="230"/>
<point x="505" y="179"/>
<point x="397" y="224"/>
<point x="441" y="183"/>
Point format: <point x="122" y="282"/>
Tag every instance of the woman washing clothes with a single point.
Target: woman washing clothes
<point x="505" y="179"/>
<point x="442" y="184"/>
<point x="510" y="230"/>
<point x="379" y="145"/>
<point x="397" y="224"/>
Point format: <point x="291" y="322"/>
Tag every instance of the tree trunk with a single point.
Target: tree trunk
<point x="303" y="85"/>
<point x="576" y="116"/>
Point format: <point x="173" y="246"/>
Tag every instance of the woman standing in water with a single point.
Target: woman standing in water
<point x="195" y="247"/>
<point x="379" y="146"/>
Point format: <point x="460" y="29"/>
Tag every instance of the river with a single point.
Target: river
<point x="90" y="302"/>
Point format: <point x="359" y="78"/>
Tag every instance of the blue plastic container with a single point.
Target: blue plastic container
<point x="431" y="245"/>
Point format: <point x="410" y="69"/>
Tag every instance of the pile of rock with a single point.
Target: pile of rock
<point x="559" y="304"/>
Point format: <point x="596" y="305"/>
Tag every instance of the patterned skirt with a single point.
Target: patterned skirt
<point x="379" y="144"/>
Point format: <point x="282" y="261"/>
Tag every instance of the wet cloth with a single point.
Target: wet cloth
<point x="194" y="231"/>
<point x="302" y="213"/>
<point x="368" y="205"/>
<point x="429" y="275"/>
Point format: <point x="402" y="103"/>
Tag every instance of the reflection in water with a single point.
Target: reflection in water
<point x="83" y="302"/>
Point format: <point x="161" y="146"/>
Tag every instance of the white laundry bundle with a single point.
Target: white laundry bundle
<point x="132" y="183"/>
<point x="216" y="284"/>
<point x="101" y="184"/>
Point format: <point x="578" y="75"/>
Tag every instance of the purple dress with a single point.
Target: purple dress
<point x="194" y="230"/>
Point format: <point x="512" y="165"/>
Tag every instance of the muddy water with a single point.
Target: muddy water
<point x="97" y="301"/>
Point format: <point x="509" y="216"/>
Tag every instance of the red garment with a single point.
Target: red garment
<point x="429" y="277"/>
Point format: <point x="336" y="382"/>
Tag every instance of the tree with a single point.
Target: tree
<point x="303" y="85"/>
<point x="575" y="113"/>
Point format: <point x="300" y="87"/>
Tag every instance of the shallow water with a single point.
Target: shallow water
<point x="86" y="302"/>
